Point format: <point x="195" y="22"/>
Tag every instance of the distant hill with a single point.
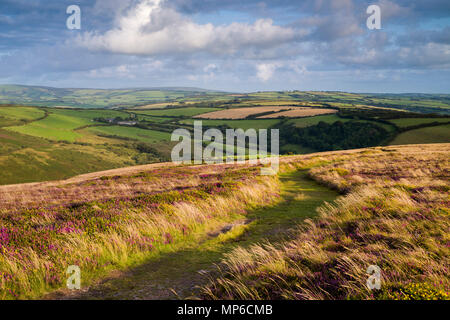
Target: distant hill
<point x="95" y="98"/>
<point x="136" y="97"/>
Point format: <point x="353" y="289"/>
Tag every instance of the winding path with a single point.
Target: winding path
<point x="178" y="274"/>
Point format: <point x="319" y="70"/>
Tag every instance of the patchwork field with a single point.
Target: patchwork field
<point x="96" y="132"/>
<point x="160" y="97"/>
<point x="95" y="98"/>
<point x="40" y="144"/>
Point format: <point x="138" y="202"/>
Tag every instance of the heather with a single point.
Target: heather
<point x="234" y="234"/>
<point x="394" y="213"/>
<point x="37" y="244"/>
<point x="131" y="182"/>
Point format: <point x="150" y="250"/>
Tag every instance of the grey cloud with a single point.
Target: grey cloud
<point x="326" y="46"/>
<point x="425" y="36"/>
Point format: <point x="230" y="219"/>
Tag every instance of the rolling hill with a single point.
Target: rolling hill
<point x="161" y="96"/>
<point x="42" y="143"/>
<point x="94" y="98"/>
<point x="225" y="232"/>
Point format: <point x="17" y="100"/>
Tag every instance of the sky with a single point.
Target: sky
<point x="230" y="45"/>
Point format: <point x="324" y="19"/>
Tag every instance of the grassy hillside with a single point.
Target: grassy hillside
<point x="409" y="122"/>
<point x="25" y="158"/>
<point x="38" y="144"/>
<point x="436" y="134"/>
<point x="395" y="215"/>
<point x="164" y="223"/>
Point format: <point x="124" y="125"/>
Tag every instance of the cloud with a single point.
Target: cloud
<point x="425" y="36"/>
<point x="150" y="28"/>
<point x="233" y="45"/>
<point x="265" y="71"/>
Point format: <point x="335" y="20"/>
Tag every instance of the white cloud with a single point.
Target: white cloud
<point x="210" y="68"/>
<point x="299" y="69"/>
<point x="265" y="71"/>
<point x="150" y="28"/>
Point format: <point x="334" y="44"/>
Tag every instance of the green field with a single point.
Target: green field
<point x="142" y="117"/>
<point x="90" y="114"/>
<point x="25" y="113"/>
<point x="310" y="121"/>
<point x="237" y="124"/>
<point x="61" y="123"/>
<point x="408" y="122"/>
<point x="54" y="127"/>
<point x="12" y="116"/>
<point x="149" y="136"/>
<point x="64" y="125"/>
<point x="179" y="112"/>
<point x="25" y="158"/>
<point x="438" y="134"/>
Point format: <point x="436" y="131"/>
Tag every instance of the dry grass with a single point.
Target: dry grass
<point x="300" y="113"/>
<point x="161" y="105"/>
<point x="241" y="113"/>
<point x="395" y="215"/>
<point x="104" y="185"/>
<point x="38" y="243"/>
